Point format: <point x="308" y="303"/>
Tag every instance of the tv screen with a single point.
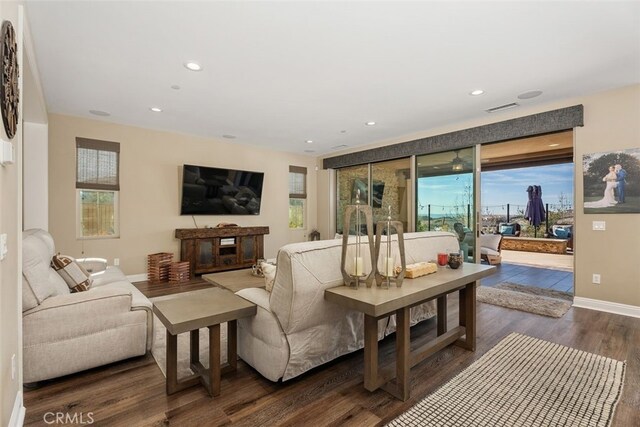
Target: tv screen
<point x="216" y="191"/>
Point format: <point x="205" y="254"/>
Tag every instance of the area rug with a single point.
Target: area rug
<point x="159" y="348"/>
<point x="546" y="302"/>
<point x="525" y="381"/>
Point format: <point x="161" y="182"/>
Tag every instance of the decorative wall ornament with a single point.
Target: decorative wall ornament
<point x="9" y="91"/>
<point x="356" y="271"/>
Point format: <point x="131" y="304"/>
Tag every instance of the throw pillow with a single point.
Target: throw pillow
<point x="73" y="274"/>
<point x="269" y="271"/>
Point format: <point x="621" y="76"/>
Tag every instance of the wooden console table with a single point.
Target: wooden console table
<point x="209" y="250"/>
<point x="377" y="303"/>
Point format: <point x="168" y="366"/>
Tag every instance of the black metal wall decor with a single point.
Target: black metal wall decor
<point x="9" y="91"/>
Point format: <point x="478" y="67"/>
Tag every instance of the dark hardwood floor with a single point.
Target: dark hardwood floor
<point x="132" y="393"/>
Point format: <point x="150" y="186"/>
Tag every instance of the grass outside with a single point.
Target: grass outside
<point x="631" y="205"/>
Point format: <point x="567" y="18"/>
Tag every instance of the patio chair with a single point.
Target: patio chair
<point x="509" y="229"/>
<point x="490" y="248"/>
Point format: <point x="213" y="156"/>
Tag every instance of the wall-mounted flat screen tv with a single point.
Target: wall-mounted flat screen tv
<point x="217" y="191"/>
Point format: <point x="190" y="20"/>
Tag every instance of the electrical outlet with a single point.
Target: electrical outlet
<point x="13" y="367"/>
<point x="599" y="225"/>
<point x="596" y="279"/>
<point x="116" y="261"/>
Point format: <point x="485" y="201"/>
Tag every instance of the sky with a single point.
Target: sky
<point x="498" y="188"/>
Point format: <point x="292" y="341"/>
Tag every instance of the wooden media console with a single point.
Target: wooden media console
<point x="221" y="248"/>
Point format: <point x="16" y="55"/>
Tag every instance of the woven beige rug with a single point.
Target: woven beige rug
<point x="546" y="302"/>
<point x="525" y="382"/>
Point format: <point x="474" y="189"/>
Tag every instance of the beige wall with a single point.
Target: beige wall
<point x="10" y="271"/>
<point x="611" y="123"/>
<point x="150" y="163"/>
<point x="35" y="187"/>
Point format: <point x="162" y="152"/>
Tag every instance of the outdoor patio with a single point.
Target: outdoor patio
<point x="534" y="269"/>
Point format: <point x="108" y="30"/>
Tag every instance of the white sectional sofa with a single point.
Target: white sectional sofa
<point x="65" y="332"/>
<point x="295" y="329"/>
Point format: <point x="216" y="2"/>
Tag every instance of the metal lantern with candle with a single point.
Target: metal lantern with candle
<point x="357" y="273"/>
<point x="389" y="273"/>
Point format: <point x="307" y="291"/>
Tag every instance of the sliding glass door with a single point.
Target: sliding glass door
<point x="384" y="185"/>
<point x="446" y="196"/>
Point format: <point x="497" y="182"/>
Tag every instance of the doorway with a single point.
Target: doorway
<point x="536" y="254"/>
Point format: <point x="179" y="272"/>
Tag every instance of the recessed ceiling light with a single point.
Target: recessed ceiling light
<point x="530" y="94"/>
<point x="156" y="109"/>
<point x="553" y="145"/>
<point x="436" y="167"/>
<point x="370" y="123"/>
<point x="175" y="87"/>
<point x="193" y="66"/>
<point x="308" y="141"/>
<point x="226" y="135"/>
<point x="309" y="151"/>
<point x="476" y="92"/>
<point x="99" y="113"/>
<point x="343" y="131"/>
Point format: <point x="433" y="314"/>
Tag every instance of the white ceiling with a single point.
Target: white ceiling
<point x="279" y="73"/>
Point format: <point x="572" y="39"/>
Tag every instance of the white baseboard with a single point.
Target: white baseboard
<point x="609" y="307"/>
<point x="17" y="415"/>
<point x="137" y="277"/>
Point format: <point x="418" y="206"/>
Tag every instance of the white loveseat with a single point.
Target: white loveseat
<point x="67" y="332"/>
<point x="295" y="329"/>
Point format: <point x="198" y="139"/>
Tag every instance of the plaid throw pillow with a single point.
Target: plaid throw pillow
<point x="73" y="274"/>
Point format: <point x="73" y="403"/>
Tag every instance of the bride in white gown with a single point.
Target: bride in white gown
<point x="609" y="198"/>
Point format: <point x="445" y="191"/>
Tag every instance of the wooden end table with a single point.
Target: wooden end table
<point x="188" y="312"/>
<point x="235" y="280"/>
<point x="377" y="303"/>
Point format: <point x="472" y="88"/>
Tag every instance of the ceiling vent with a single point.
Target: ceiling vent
<point x="502" y="107"/>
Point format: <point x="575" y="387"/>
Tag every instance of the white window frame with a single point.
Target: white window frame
<point x="301" y="196"/>
<point x="116" y="214"/>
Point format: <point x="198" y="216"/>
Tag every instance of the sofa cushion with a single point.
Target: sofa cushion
<point x="71" y="272"/>
<point x="269" y="271"/>
<point x="490" y="241"/>
<point x="110" y="275"/>
<point x="40" y="281"/>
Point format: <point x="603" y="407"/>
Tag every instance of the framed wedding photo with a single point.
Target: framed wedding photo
<point x="611" y="182"/>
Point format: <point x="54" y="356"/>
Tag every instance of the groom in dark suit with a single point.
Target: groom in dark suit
<point x="621" y="175"/>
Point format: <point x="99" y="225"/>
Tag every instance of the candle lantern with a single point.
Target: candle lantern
<point x="388" y="273"/>
<point x="356" y="273"/>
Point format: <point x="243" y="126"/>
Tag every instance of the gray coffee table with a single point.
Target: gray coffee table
<point x="191" y="311"/>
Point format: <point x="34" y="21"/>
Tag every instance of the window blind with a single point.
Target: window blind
<point x="97" y="164"/>
<point x="297" y="182"/>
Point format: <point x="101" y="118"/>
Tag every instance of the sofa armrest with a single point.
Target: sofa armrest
<point x="93" y="265"/>
<point x="258" y="296"/>
<point x="78" y="314"/>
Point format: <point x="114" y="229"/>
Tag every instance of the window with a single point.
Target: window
<point x="297" y="196"/>
<point x="97" y="187"/>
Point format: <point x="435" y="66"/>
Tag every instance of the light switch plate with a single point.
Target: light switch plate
<point x="599" y="225"/>
<point x="3" y="246"/>
<point x="7" y="153"/>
